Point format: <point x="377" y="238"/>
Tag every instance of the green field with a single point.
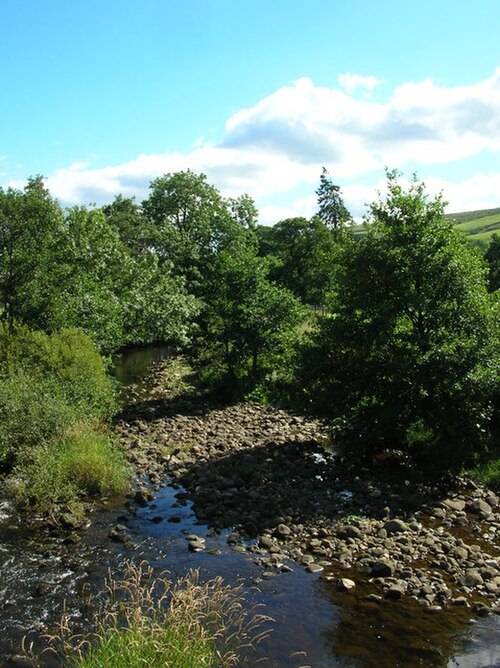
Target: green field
<point x="478" y="225"/>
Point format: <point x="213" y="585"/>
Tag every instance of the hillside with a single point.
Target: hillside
<point x="479" y="226"/>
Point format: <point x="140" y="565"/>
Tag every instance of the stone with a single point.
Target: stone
<point x="345" y="584"/>
<point x="395" y="591"/>
<point x="266" y="542"/>
<point x="395" y="526"/>
<point x="314" y="568"/>
<point x="478" y="506"/>
<point x="454" y="504"/>
<point x="283" y="531"/>
<point x="472" y="578"/>
<point x="382" y="568"/>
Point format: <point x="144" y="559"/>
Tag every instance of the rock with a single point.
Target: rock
<point x="395" y="591"/>
<point x="481" y="609"/>
<point x="196" y="545"/>
<point x="314" y="568"/>
<point x="119" y="534"/>
<point x="472" y="578"/>
<point x="266" y="542"/>
<point x="283" y="531"/>
<point x="383" y="568"/>
<point x="459" y="600"/>
<point x="344" y="584"/>
<point x="143" y="495"/>
<point x="395" y="526"/>
<point x="454" y="504"/>
<point x="478" y="506"/>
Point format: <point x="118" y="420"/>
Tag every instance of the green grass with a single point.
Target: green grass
<point x="150" y="621"/>
<point x="489" y="474"/>
<point x="54" y="478"/>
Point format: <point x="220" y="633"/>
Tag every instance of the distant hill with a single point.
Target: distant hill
<point x="479" y="226"/>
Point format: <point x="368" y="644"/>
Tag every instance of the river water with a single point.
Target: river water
<point x="314" y="624"/>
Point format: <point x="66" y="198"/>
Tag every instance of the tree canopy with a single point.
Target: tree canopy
<point x="406" y="354"/>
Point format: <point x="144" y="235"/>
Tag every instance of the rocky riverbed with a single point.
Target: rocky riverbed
<point x="274" y="479"/>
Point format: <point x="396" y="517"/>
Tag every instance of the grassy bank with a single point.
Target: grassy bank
<point x="55" y="398"/>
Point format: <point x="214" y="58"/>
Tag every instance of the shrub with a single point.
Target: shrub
<point x="67" y="357"/>
<point x="33" y="410"/>
<point x="93" y="461"/>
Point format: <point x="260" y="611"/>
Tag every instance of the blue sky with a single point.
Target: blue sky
<point x="101" y="97"/>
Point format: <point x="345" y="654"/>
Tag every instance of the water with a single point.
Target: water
<point x="314" y="624"/>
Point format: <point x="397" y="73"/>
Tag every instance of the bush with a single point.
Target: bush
<point x="68" y="358"/>
<point x="93" y="462"/>
<point x="33" y="410"/>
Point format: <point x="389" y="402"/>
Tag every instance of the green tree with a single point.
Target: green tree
<point x="332" y="210"/>
<point x="493" y="258"/>
<point x="188" y="220"/>
<point x="125" y="215"/>
<point x="29" y="224"/>
<point x="408" y="353"/>
<point x="247" y="321"/>
<point x="306" y="256"/>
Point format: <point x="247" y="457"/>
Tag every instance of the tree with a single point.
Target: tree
<point x="408" y="354"/>
<point x="29" y="224"/>
<point x="332" y="210"/>
<point x="246" y="321"/>
<point x="306" y="256"/>
<point x="493" y="258"/>
<point x="125" y="215"/>
<point x="188" y="217"/>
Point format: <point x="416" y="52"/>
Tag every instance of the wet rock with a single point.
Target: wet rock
<point x="143" y="496"/>
<point x="345" y="584"/>
<point x="314" y="568"/>
<point x="119" y="534"/>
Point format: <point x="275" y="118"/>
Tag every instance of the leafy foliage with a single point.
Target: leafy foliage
<point x="493" y="258"/>
<point x="407" y="355"/>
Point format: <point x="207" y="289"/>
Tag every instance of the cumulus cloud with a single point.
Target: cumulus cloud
<point x="280" y="144"/>
<point x="351" y="82"/>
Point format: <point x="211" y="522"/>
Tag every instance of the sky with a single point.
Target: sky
<point x="103" y="96"/>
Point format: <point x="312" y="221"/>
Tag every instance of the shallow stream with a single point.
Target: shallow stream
<point x="314" y="624"/>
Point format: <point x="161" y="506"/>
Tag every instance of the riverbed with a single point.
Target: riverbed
<point x="315" y="624"/>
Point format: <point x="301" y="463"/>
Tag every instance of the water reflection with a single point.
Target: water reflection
<point x="131" y="365"/>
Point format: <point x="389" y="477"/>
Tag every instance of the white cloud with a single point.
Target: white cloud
<point x="281" y="143"/>
<point x="351" y="82"/>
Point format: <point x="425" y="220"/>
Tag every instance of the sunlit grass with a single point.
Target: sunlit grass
<point x="150" y="621"/>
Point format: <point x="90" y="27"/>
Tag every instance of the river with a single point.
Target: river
<point x="314" y="624"/>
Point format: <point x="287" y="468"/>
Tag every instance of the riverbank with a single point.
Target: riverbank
<point x="271" y="477"/>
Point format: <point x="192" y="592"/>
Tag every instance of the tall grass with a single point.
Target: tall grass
<point x="150" y="621"/>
